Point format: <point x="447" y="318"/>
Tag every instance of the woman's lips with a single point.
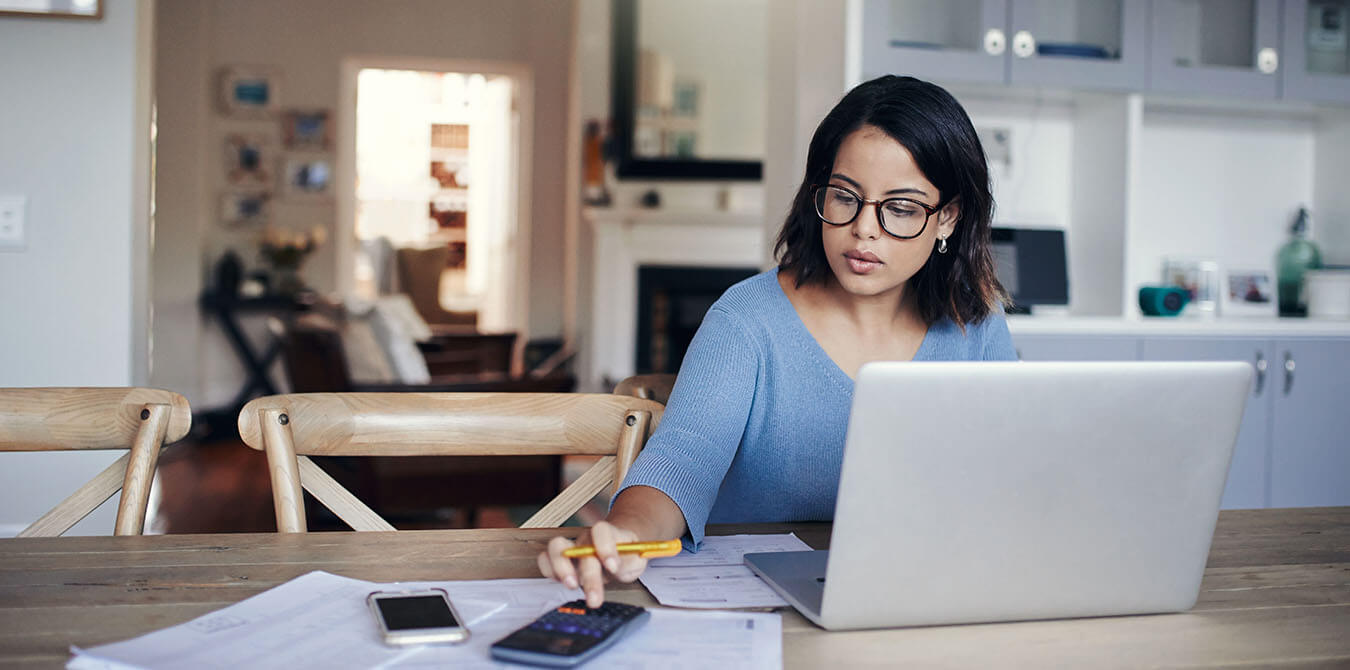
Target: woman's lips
<point x="862" y="262"/>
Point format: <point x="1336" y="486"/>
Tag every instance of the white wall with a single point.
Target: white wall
<point x="72" y="133"/>
<point x="307" y="40"/>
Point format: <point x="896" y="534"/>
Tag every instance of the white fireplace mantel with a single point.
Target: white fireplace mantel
<point x="625" y="239"/>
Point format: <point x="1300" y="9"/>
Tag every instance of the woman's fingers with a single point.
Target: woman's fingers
<point x="630" y="567"/>
<point x="592" y="581"/>
<point x="589" y="573"/>
<point x="604" y="536"/>
<point x="553" y="564"/>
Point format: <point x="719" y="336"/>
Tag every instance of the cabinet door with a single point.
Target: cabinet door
<point x="1248" y="481"/>
<point x="1218" y="47"/>
<point x="1310" y="464"/>
<point x="945" y="40"/>
<point x="1316" y="53"/>
<point x="1076" y="347"/>
<point x="1082" y="44"/>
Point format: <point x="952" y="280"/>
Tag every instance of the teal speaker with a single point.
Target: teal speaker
<point x="1162" y="300"/>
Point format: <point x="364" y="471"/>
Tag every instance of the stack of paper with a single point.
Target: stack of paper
<point x="716" y="577"/>
<point x="321" y="620"/>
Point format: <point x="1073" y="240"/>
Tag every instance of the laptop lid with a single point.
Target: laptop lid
<point x="975" y="492"/>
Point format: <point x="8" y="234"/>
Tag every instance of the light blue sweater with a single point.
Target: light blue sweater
<point x="754" y="429"/>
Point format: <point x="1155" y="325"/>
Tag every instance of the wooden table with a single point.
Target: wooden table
<point x="1276" y="593"/>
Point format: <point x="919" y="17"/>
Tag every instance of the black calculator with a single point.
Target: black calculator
<point x="570" y="635"/>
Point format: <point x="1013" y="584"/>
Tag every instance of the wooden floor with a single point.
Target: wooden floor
<point x="222" y="486"/>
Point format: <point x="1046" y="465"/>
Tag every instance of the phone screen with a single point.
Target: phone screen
<point x="415" y="612"/>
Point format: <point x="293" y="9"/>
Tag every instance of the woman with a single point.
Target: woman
<point x="885" y="255"/>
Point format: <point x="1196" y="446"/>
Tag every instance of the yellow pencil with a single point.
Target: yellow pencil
<point x="643" y="549"/>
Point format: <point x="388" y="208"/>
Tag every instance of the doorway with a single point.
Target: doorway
<point x="434" y="155"/>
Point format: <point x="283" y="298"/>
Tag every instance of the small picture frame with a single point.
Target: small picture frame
<point x="245" y="208"/>
<point x="307" y="176"/>
<point x="1199" y="278"/>
<point x="310" y="129"/>
<point x="1249" y="292"/>
<point x="249" y="92"/>
<point x="248" y="160"/>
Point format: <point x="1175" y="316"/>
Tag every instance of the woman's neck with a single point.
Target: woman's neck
<point x="875" y="315"/>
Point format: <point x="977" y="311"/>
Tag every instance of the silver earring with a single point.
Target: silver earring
<point x="942" y="245"/>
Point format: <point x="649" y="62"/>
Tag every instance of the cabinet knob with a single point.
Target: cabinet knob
<point x="1267" y="60"/>
<point x="995" y="42"/>
<point x="1288" y="372"/>
<point x="1261" y="366"/>
<point x="1024" y="45"/>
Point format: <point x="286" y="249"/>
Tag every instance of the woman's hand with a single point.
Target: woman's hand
<point x="589" y="572"/>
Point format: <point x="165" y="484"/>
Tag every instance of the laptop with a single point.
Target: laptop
<point x="983" y="492"/>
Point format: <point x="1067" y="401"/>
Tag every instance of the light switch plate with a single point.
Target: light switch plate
<point x="12" y="213"/>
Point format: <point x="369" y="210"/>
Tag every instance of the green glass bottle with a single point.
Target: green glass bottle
<point x="1296" y="257"/>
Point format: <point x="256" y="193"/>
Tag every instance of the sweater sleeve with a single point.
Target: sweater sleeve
<point x="690" y="452"/>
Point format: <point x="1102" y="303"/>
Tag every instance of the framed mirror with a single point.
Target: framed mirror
<point x="689" y="88"/>
<point x="76" y="9"/>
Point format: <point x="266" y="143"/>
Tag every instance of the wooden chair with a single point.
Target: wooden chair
<point x="291" y="427"/>
<point x="141" y="420"/>
<point x="652" y="387"/>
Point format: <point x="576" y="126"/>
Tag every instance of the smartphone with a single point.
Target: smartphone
<point x="417" y="617"/>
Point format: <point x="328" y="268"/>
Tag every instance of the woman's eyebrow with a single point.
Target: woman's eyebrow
<point x="894" y="191"/>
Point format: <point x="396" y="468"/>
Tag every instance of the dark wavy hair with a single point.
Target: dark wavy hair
<point x="930" y="123"/>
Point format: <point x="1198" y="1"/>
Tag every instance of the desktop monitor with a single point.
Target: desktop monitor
<point x="1032" y="265"/>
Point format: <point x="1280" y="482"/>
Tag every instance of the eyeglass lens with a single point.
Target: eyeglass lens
<point x="901" y="217"/>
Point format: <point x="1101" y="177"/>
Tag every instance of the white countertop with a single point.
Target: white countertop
<point x="1163" y="325"/>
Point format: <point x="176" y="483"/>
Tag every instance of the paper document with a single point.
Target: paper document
<point x="321" y="620"/>
<point x="716" y="577"/>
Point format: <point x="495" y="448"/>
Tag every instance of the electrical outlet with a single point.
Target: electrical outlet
<point x="12" y="222"/>
<point x="997" y="145"/>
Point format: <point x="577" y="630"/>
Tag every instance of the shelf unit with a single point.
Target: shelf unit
<point x="1144" y="154"/>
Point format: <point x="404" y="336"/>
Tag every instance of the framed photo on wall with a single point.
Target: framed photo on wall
<point x="249" y="91"/>
<point x="307" y="176"/>
<point x="307" y="129"/>
<point x="245" y="208"/>
<point x="248" y="160"/>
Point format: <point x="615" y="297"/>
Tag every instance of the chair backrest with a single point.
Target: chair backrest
<point x="141" y="420"/>
<point x="652" y="386"/>
<point x="289" y="427"/>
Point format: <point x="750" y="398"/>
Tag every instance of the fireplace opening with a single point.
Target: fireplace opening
<point x="671" y="303"/>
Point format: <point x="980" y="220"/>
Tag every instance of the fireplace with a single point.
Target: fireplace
<point x="723" y="247"/>
<point x="671" y="304"/>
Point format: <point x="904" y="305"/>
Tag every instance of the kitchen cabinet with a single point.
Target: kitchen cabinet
<point x="1229" y="48"/>
<point x="1293" y="446"/>
<point x="1248" y="474"/>
<point x="1310" y="460"/>
<point x="1261" y="49"/>
<point x="1295" y="435"/>
<point x="961" y="40"/>
<point x="1040" y="347"/>
<point x="1316" y="54"/>
<point x="1097" y="45"/>
<point x="1235" y="49"/>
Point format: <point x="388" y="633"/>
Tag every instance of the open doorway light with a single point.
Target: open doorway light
<point x="436" y="169"/>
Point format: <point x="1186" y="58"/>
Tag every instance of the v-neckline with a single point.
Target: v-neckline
<point x="831" y="366"/>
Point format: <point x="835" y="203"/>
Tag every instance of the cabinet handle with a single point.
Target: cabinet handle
<point x="1267" y="60"/>
<point x="1288" y="372"/>
<point x="1024" y="45"/>
<point x="1260" y="372"/>
<point x="995" y="42"/>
